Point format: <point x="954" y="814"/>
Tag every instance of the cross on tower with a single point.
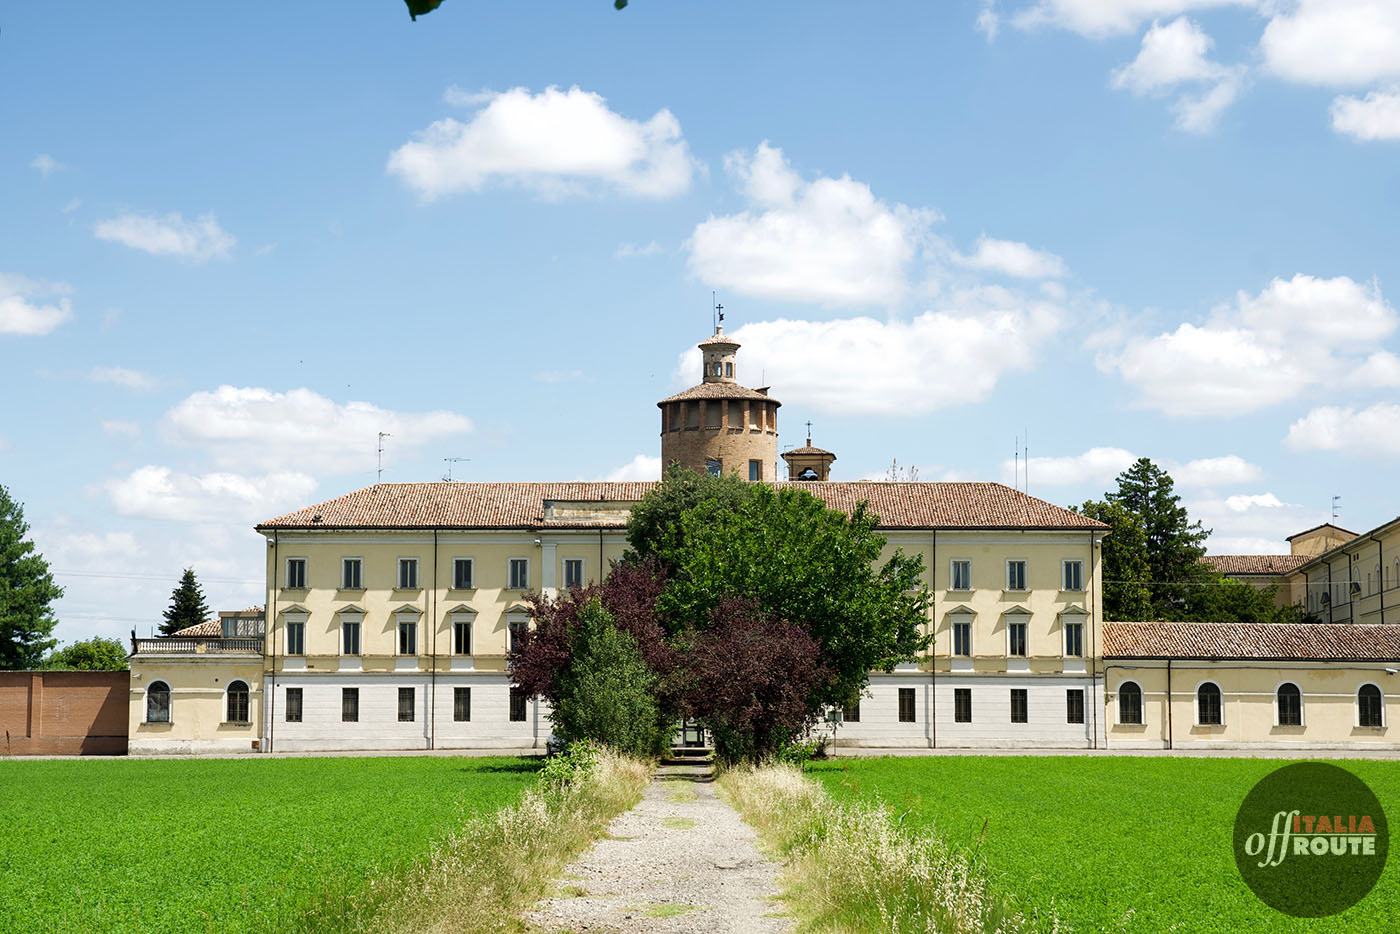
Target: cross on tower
<point x="719" y="309"/>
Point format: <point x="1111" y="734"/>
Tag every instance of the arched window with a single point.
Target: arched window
<point x="158" y="702"/>
<point x="238" y="702"/>
<point x="1129" y="702"/>
<point x="1370" y="708"/>
<point x="1290" y="705"/>
<point x="1208" y="711"/>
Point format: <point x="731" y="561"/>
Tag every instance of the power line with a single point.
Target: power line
<point x="154" y="577"/>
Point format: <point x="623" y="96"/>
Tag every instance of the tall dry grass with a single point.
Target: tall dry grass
<point x="851" y="867"/>
<point x="487" y="874"/>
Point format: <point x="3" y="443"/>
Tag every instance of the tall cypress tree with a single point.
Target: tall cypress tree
<point x="26" y="590"/>
<point x="187" y="606"/>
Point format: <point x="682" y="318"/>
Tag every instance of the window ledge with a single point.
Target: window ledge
<point x="349" y="593"/>
<point x="1017" y="593"/>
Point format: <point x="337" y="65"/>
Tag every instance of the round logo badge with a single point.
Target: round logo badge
<point x="1311" y="839"/>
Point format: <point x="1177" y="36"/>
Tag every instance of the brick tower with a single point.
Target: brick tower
<point x="718" y="425"/>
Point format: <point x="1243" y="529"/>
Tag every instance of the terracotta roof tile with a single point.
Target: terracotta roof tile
<point x="1268" y="641"/>
<point x="808" y="449"/>
<point x="210" y="627"/>
<point x="719" y="339"/>
<point x="718" y="391"/>
<point x="523" y="506"/>
<point x="1256" y="564"/>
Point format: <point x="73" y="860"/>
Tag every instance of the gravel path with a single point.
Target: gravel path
<point x="681" y="861"/>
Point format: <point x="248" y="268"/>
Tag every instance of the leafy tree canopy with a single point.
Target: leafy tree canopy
<point x="96" y="654"/>
<point x="26" y="590"/>
<point x="187" y="606"/>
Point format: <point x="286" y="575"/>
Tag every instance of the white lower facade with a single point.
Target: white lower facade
<point x="380" y="723"/>
<point x="941" y="718"/>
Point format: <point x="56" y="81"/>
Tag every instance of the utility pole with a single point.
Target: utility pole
<point x="379" y="472"/>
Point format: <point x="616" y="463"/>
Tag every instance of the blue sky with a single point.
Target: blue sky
<point x="239" y="243"/>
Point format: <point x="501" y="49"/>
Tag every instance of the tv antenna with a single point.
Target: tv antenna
<point x="379" y="471"/>
<point x="1336" y="507"/>
<point x="450" y="462"/>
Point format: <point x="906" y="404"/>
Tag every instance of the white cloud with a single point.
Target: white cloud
<point x="121" y="376"/>
<point x="153" y="492"/>
<point x="1210" y="472"/>
<point x="829" y="240"/>
<point x="862" y="365"/>
<point x="641" y="467"/>
<point x="1369" y="432"/>
<point x="1101" y="18"/>
<point x="1258" y="351"/>
<point x="1332" y="42"/>
<point x="72" y="205"/>
<point x="117" y="428"/>
<point x="21" y="311"/>
<point x="1096" y="465"/>
<point x="988" y="20"/>
<point x="1381" y="370"/>
<point x="1012" y="258"/>
<point x="198" y="240"/>
<point x="554" y="143"/>
<point x="1177" y="54"/>
<point x="631" y="250"/>
<point x="252" y="426"/>
<point x="46" y="164"/>
<point x="1257" y="523"/>
<point x="1374" y="117"/>
<point x="1244" y="502"/>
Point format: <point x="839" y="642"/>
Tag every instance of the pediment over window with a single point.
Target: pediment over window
<point x="296" y="609"/>
<point x="408" y="608"/>
<point x="1016" y="611"/>
<point x="962" y="609"/>
<point x="517" y="609"/>
<point x="350" y="610"/>
<point x="1073" y="610"/>
<point x="462" y="609"/>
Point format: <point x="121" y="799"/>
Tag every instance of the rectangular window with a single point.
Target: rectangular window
<point x="713" y="468"/>
<point x="296" y="638"/>
<point x="1015" y="575"/>
<point x="461" y="638"/>
<point x="406" y="705"/>
<point x="850" y="712"/>
<point x="1016" y="639"/>
<point x="349" y="705"/>
<point x="350" y="574"/>
<point x="573" y="572"/>
<point x="461" y="704"/>
<point x="296" y="573"/>
<point x="517" y="705"/>
<point x="962" y="639"/>
<point x="408" y="573"/>
<point x="713" y="413"/>
<point x="755" y="471"/>
<point x="517" y="632"/>
<point x="350" y="638"/>
<point x="906" y="705"/>
<point x="408" y="638"/>
<point x="962" y="705"/>
<point x="692" y="415"/>
<point x="1074" y="639"/>
<point x="1018" y="705"/>
<point x="462" y="573"/>
<point x="1074" y="575"/>
<point x="293" y="705"/>
<point x="519" y="573"/>
<point x="1074" y="706"/>
<point x="729" y="371"/>
<point x="961" y="575"/>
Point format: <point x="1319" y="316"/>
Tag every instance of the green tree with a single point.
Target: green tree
<point x="26" y="590"/>
<point x="1126" y="594"/>
<point x="1174" y="544"/>
<point x="654" y="525"/>
<point x="1223" y="600"/>
<point x="187" y="606"/>
<point x="95" y="654"/>
<point x="607" y="692"/>
<point x="798" y="561"/>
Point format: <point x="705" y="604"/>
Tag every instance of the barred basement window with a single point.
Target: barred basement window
<point x="461" y="704"/>
<point x="1129" y="703"/>
<point x="349" y="705"/>
<point x="238" y="702"/>
<point x="1290" y="705"/>
<point x="406" y="705"/>
<point x="517" y="705"/>
<point x="1074" y="706"/>
<point x="461" y="638"/>
<point x="1208" y="712"/>
<point x="1019" y="713"/>
<point x="293" y="705"/>
<point x="850" y="711"/>
<point x="962" y="705"/>
<point x="906" y="705"/>
<point x="1369" y="709"/>
<point x="158" y="702"/>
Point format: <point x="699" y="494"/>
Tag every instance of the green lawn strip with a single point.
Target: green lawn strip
<point x="222" y="844"/>
<point x="1103" y="839"/>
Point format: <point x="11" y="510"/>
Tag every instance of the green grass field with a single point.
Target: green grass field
<point x="222" y="844"/>
<point x="1100" y="838"/>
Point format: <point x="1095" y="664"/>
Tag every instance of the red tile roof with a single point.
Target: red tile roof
<point x="1256" y="564"/>
<point x="210" y="627"/>
<point x="719" y="391"/>
<point x="523" y="506"/>
<point x="1262" y="641"/>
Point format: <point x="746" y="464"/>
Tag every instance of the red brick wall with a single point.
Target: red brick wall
<point x="62" y="713"/>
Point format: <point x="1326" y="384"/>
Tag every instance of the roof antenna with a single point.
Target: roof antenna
<point x="1027" y="490"/>
<point x="379" y="473"/>
<point x="809" y="432"/>
<point x="1016" y="467"/>
<point x="450" y="462"/>
<point x="1336" y="507"/>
